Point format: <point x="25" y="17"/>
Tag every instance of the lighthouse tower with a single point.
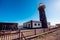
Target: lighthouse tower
<point x="42" y="15"/>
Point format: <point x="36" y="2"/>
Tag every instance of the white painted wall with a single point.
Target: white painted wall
<point x="36" y="24"/>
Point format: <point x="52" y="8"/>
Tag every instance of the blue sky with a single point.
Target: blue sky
<point x="21" y="11"/>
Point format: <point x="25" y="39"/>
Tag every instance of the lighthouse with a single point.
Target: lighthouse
<point x="42" y="15"/>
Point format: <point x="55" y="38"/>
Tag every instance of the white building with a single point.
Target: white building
<point x="33" y="24"/>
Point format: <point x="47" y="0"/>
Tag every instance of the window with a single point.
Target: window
<point x="29" y="25"/>
<point x="38" y="24"/>
<point x="35" y="24"/>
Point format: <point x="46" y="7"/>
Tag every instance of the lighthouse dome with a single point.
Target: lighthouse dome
<point x="41" y="5"/>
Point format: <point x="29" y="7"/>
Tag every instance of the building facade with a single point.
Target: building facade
<point x="58" y="25"/>
<point x="33" y="24"/>
<point x="8" y="26"/>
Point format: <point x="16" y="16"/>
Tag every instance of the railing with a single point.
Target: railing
<point x="18" y="34"/>
<point x="9" y="35"/>
<point x="25" y="34"/>
<point x="45" y="36"/>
